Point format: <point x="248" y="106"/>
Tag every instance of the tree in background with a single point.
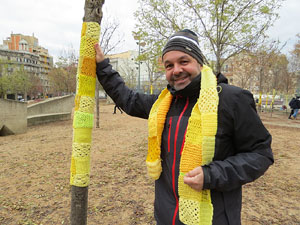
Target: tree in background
<point x="152" y="61"/>
<point x="62" y="80"/>
<point x="4" y="86"/>
<point x="21" y="81"/>
<point x="155" y="74"/>
<point x="63" y="75"/>
<point x="225" y="27"/>
<point x="129" y="74"/>
<point x="294" y="63"/>
<point x="295" y="56"/>
<point x="281" y="79"/>
<point x="110" y="39"/>
<point x="36" y="87"/>
<point x="269" y="68"/>
<point x="263" y="55"/>
<point x="16" y="80"/>
<point x="261" y="70"/>
<point x="4" y="79"/>
<point x="240" y="67"/>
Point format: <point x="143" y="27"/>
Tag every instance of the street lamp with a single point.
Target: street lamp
<point x="140" y="44"/>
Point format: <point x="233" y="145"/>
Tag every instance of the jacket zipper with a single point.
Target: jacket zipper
<point x="174" y="160"/>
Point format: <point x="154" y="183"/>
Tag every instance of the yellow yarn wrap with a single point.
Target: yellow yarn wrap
<point x="84" y="105"/>
<point x="195" y="207"/>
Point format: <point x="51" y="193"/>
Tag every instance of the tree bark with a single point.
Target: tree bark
<point x="79" y="204"/>
<point x="93" y="11"/>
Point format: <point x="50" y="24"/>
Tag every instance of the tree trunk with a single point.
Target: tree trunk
<point x="218" y="64"/>
<point x="79" y="204"/>
<point x="79" y="186"/>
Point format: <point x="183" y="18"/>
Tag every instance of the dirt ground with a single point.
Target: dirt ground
<point x="34" y="174"/>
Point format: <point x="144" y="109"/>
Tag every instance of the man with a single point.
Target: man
<point x="295" y="106"/>
<point x="202" y="145"/>
<point x="292" y="106"/>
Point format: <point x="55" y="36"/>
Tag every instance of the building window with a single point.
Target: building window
<point x="225" y="68"/>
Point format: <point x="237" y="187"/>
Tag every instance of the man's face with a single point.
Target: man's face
<point x="181" y="69"/>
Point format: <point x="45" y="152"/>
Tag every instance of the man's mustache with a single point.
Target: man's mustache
<point x="179" y="76"/>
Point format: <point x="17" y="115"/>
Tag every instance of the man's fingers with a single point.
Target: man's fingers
<point x="193" y="182"/>
<point x="188" y="180"/>
<point x="194" y="172"/>
<point x="97" y="48"/>
<point x="99" y="53"/>
<point x="194" y="178"/>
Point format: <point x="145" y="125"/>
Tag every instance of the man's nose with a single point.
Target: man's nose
<point x="177" y="69"/>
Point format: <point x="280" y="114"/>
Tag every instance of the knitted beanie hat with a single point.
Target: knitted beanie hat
<point x="185" y="41"/>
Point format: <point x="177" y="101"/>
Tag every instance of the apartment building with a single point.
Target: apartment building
<point x="23" y="50"/>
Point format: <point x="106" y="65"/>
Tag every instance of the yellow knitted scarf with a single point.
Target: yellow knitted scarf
<point x="195" y="207"/>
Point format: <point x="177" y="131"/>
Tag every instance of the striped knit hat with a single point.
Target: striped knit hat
<point x="185" y="41"/>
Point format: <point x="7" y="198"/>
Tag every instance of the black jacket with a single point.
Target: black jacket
<point x="242" y="146"/>
<point x="295" y="103"/>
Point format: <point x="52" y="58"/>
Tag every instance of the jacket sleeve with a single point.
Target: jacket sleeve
<point x="251" y="153"/>
<point x="133" y="103"/>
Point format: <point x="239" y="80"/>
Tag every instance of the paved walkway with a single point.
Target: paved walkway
<point x="296" y="125"/>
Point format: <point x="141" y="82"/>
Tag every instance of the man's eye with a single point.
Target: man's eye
<point x="168" y="66"/>
<point x="184" y="62"/>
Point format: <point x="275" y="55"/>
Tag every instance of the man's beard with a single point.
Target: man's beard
<point x="181" y="76"/>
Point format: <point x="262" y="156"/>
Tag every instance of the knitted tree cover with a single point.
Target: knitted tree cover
<point x="84" y="105"/>
<point x="195" y="207"/>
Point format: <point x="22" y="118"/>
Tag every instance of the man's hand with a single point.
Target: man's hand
<point x="99" y="54"/>
<point x="195" y="178"/>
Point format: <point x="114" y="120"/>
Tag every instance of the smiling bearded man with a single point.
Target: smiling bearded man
<point x="205" y="138"/>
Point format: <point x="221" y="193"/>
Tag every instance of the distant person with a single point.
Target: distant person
<point x="291" y="104"/>
<point x="115" y="109"/>
<point x="295" y="106"/>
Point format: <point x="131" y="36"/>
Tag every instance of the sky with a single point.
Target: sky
<point x="57" y="23"/>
